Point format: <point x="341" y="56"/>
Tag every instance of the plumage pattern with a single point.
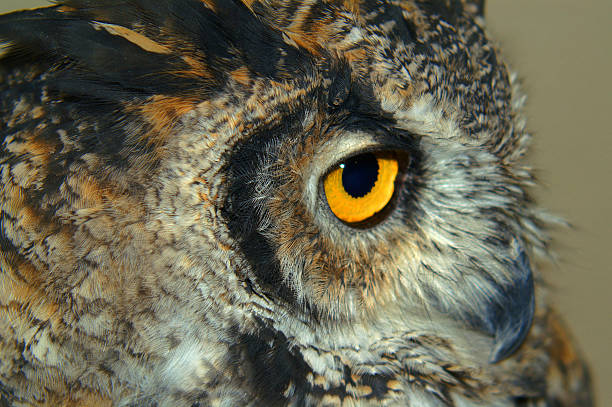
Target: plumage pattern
<point x="164" y="237"/>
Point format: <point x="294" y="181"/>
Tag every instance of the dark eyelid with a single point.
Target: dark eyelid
<point x="388" y="141"/>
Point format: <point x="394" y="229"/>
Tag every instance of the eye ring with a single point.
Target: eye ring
<point x="360" y="188"/>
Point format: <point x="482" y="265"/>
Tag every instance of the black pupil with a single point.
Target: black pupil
<point x="360" y="174"/>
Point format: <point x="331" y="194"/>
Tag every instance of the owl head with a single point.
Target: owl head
<point x="273" y="200"/>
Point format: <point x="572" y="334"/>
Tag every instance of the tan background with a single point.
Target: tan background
<point x="561" y="48"/>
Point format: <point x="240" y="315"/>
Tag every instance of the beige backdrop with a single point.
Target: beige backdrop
<point x="561" y="49"/>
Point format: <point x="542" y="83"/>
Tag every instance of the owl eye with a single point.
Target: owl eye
<point x="361" y="187"/>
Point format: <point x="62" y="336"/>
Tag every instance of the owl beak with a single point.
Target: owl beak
<point x="510" y="317"/>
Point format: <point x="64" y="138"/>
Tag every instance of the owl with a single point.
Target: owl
<point x="270" y="203"/>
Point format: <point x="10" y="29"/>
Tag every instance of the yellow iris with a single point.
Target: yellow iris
<point x="361" y="187"/>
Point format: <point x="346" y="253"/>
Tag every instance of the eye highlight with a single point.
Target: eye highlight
<point x="362" y="186"/>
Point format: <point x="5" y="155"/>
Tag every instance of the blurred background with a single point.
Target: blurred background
<point x="561" y="50"/>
